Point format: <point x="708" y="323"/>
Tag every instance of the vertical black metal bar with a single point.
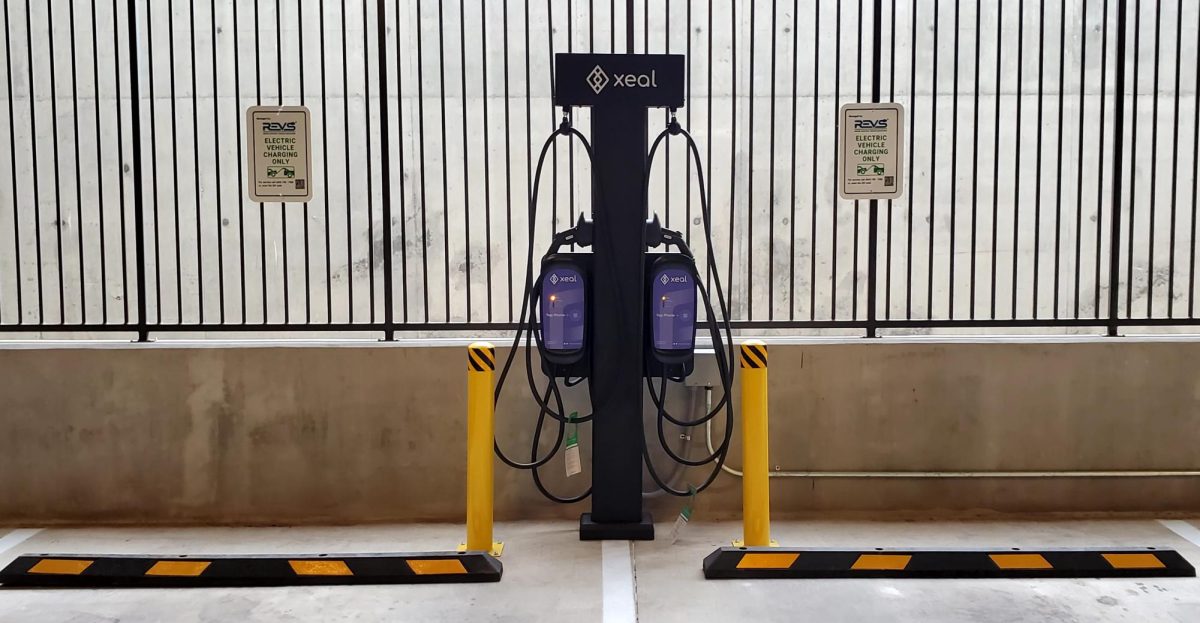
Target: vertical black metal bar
<point x="954" y="165"/>
<point x="1017" y="152"/>
<point x="732" y="143"/>
<point x="1174" y="163"/>
<point x="816" y="74"/>
<point x="58" y="222"/>
<point x="12" y="150"/>
<point x="857" y="98"/>
<point x="302" y="68"/>
<point x="37" y="203"/>
<point x="1114" y="255"/>
<point x="120" y="170"/>
<point x="629" y="26"/>
<point x="325" y="167"/>
<point x="612" y="26"/>
<point x="78" y="173"/>
<point x="462" y="35"/>
<point x="873" y="222"/>
<point x="346" y="148"/>
<point x="709" y="269"/>
<point x="99" y="169"/>
<point x="75" y="123"/>
<point x="508" y="170"/>
<point x="262" y="213"/>
<point x="217" y="167"/>
<point x="1137" y="45"/>
<point x="175" y="166"/>
<point x="1062" y="97"/>
<point x="237" y="125"/>
<point x="421" y="157"/>
<point x="389" y="334"/>
<point x="135" y="103"/>
<point x="1150" y="276"/>
<point x="996" y="150"/>
<point x="1100" y="156"/>
<point x="687" y="161"/>
<point x="553" y="212"/>
<point x="370" y="188"/>
<point x="749" y="180"/>
<point x="196" y="164"/>
<point x="887" y="288"/>
<point x="912" y="161"/>
<point x="385" y="159"/>
<point x="528" y="146"/>
<point x="445" y="173"/>
<point x="571" y="146"/>
<point x="666" y="119"/>
<point x="1195" y="178"/>
<point x="795" y="124"/>
<point x="975" y="160"/>
<point x="1037" y="184"/>
<point x="1079" y="159"/>
<point x="933" y="101"/>
<point x="283" y="209"/>
<point x="836" y="205"/>
<point x="487" y="154"/>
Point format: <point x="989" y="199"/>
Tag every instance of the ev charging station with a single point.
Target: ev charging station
<point x="619" y="89"/>
<point x="643" y="325"/>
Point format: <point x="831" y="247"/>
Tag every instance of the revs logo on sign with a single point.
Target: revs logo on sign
<point x="870" y="124"/>
<point x="275" y="127"/>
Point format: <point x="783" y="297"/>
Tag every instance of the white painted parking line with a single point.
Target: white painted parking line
<point x="1183" y="529"/>
<point x="15" y="538"/>
<point x="620" y="589"/>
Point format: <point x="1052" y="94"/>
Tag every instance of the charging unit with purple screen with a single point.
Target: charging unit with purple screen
<point x="563" y="300"/>
<point x="672" y="314"/>
<point x="563" y="312"/>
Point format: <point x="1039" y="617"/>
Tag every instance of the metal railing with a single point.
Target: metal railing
<point x="1051" y="161"/>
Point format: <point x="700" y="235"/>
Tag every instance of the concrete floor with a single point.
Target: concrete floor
<point x="550" y="575"/>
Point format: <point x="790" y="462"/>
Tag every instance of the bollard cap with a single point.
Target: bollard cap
<point x="481" y="357"/>
<point x="754" y="354"/>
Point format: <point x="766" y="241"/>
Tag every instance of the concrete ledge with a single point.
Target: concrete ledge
<point x="319" y="434"/>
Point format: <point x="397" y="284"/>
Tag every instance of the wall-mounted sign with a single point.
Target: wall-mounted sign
<point x="279" y="156"/>
<point x="872" y="151"/>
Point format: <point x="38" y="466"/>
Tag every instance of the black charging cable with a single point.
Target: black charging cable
<point x="528" y="330"/>
<point x="723" y="349"/>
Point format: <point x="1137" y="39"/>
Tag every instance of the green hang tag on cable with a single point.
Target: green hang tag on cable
<point x="573" y="465"/>
<point x="684" y="517"/>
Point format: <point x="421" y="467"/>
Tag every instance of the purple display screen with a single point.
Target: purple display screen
<point x="673" y="314"/>
<point x="563" y="309"/>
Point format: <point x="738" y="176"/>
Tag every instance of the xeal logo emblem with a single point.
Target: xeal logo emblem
<point x="598" y="80"/>
<point x="664" y="279"/>
<point x="553" y="279"/>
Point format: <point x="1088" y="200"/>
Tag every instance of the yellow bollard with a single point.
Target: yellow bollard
<point x="481" y="368"/>
<point x="756" y="502"/>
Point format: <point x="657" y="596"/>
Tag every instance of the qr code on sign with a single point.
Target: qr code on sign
<point x="300" y="185"/>
<point x="889" y="180"/>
